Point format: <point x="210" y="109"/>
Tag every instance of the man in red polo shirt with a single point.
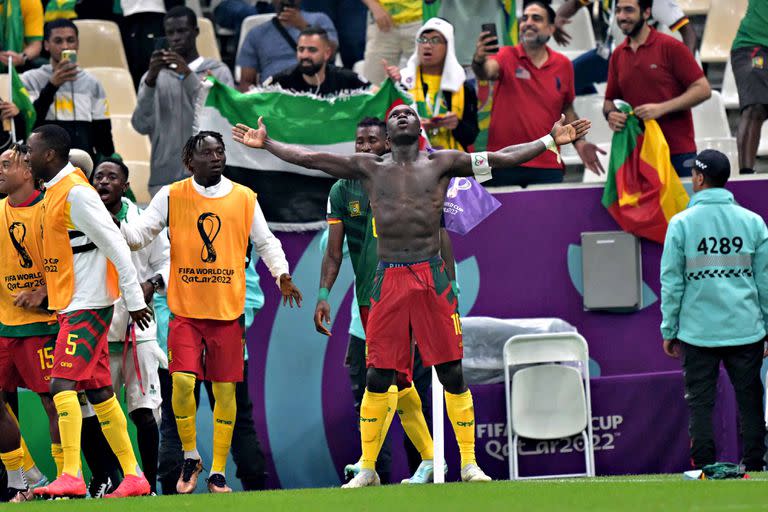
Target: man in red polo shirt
<point x="659" y="77"/>
<point x="534" y="88"/>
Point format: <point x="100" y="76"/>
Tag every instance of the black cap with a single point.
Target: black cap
<point x="714" y="165"/>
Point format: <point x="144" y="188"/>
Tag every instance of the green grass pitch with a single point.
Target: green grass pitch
<point x="642" y="493"/>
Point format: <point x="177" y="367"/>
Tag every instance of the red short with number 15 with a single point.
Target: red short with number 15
<point x="26" y="362"/>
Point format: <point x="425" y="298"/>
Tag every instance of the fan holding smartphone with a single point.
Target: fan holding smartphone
<point x="445" y="102"/>
<point x="534" y="87"/>
<point x="168" y="92"/>
<point x="69" y="96"/>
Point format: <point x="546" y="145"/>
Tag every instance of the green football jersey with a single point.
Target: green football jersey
<point x="348" y="203"/>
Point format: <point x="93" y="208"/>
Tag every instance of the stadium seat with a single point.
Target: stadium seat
<point x="358" y="68"/>
<point x="730" y="92"/>
<point x="128" y="142"/>
<point x="711" y="128"/>
<point x="720" y="29"/>
<point x="118" y="83"/>
<point x="583" y="37"/>
<point x="207" y="46"/>
<point x="195" y="6"/>
<point x="100" y="44"/>
<point x="590" y="107"/>
<point x="546" y="400"/>
<point x="694" y="7"/>
<point x="710" y="119"/>
<point x="248" y="23"/>
<point x="726" y="145"/>
<point x="762" y="150"/>
<point x="139" y="179"/>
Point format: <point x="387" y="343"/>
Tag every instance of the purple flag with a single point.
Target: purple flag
<point x="467" y="204"/>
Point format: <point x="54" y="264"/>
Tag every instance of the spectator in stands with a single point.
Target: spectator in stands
<point x="165" y="108"/>
<point x="391" y="35"/>
<point x="665" y="12"/>
<point x="231" y="13"/>
<point x="658" y="76"/>
<point x="466" y="16"/>
<point x="271" y="47"/>
<point x="592" y="67"/>
<point x="314" y="73"/>
<point x="714" y="284"/>
<point x="534" y="88"/>
<point x="446" y="101"/>
<point x="349" y="18"/>
<point x="140" y="27"/>
<point x="22" y="36"/>
<point x="68" y="96"/>
<point x="749" y="58"/>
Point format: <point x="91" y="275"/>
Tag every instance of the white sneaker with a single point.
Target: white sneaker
<point x="365" y="478"/>
<point x="473" y="473"/>
<point x="350" y="470"/>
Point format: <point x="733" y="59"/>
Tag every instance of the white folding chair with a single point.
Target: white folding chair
<point x="582" y="36"/>
<point x="546" y="400"/>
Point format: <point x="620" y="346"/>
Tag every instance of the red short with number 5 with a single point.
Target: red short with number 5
<point x="413" y="301"/>
<point x="26" y="362"/>
<point x="82" y="352"/>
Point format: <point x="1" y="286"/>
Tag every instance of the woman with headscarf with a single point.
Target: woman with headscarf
<point x="445" y="100"/>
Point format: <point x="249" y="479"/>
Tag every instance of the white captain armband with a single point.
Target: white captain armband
<point x="481" y="167"/>
<point x="549" y="143"/>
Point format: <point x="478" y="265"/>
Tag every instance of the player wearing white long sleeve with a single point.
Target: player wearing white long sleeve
<point x="78" y="238"/>
<point x="134" y="353"/>
<point x="210" y="222"/>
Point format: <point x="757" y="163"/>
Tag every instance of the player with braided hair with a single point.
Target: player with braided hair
<point x="211" y="223"/>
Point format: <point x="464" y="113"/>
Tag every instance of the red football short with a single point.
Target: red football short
<point x="413" y="301"/>
<point x="365" y="311"/>
<point x="27" y="362"/>
<point x="213" y="350"/>
<point x="82" y="352"/>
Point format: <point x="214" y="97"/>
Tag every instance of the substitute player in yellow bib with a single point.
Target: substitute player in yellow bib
<point x="83" y="256"/>
<point x="211" y="222"/>
<point x="27" y="336"/>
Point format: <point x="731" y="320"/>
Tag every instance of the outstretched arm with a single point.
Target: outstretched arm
<point x="512" y="156"/>
<point x="340" y="166"/>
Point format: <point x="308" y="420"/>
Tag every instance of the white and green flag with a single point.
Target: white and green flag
<point x="323" y="124"/>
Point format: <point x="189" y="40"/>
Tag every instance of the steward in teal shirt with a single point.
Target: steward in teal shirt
<point x="714" y="305"/>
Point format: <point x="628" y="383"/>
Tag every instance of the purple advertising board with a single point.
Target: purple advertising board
<point x="521" y="262"/>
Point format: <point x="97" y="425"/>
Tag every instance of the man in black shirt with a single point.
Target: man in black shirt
<point x="313" y="73"/>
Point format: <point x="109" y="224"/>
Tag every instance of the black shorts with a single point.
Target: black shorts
<point x="750" y="68"/>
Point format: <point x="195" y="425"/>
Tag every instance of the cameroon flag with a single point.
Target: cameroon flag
<point x="642" y="191"/>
